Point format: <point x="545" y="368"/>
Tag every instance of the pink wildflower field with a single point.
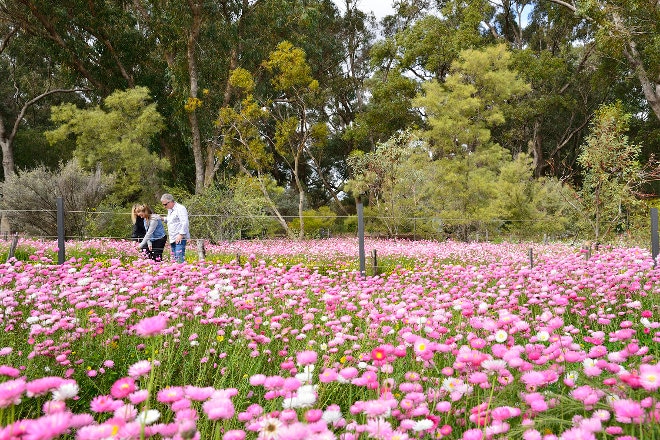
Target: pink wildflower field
<point x="288" y="340"/>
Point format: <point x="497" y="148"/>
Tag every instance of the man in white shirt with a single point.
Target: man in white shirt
<point x="178" y="227"/>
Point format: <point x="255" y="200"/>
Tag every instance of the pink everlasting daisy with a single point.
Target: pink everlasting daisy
<point x="47" y="427"/>
<point x="171" y="394"/>
<point x="123" y="387"/>
<point x="533" y="378"/>
<point x="139" y="369"/>
<point x="649" y="376"/>
<point x="138" y="396"/>
<point x="8" y="371"/>
<point x="219" y="409"/>
<point x="234" y="434"/>
<point x="104" y="404"/>
<point x="198" y="393"/>
<point x="43" y="385"/>
<point x="11" y="392"/>
<point x="473" y="434"/>
<point x="306" y="357"/>
<point x="628" y="411"/>
<point x="151" y="326"/>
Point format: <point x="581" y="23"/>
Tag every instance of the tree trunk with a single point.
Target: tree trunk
<point x="7" y="151"/>
<point x="650" y="89"/>
<point x="536" y="147"/>
<point x="269" y="201"/>
<point x="301" y="196"/>
<point x="200" y="165"/>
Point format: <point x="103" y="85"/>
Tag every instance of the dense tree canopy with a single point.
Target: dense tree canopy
<point x="283" y="92"/>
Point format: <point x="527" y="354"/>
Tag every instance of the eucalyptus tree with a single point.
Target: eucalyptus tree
<point x="243" y="144"/>
<point x="567" y="59"/>
<point x="31" y="81"/>
<point x="628" y="31"/>
<point x="285" y="124"/>
<point x="613" y="175"/>
<point x="573" y="67"/>
<point x="65" y="52"/>
<point x="418" y="46"/>
<point x="346" y="98"/>
<point x="116" y="137"/>
<point x="389" y="186"/>
<point x="97" y="41"/>
<point x="202" y="42"/>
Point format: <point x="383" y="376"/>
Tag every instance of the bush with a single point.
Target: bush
<point x="317" y="222"/>
<point x="229" y="212"/>
<point x="29" y="199"/>
<point x="110" y="221"/>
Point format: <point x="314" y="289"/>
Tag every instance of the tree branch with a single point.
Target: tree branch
<point x="570" y="6"/>
<point x="568" y="136"/>
<point x="587" y="53"/>
<point x="57" y="38"/>
<point x="5" y="40"/>
<point x="27" y="105"/>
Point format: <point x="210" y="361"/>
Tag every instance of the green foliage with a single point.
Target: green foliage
<point x="530" y="208"/>
<point x="285" y="127"/>
<point x="388" y="111"/>
<point x="290" y="68"/>
<point x="229" y="212"/>
<point x="116" y="136"/>
<point x="375" y="172"/>
<point x="318" y="222"/>
<point x="463" y="188"/>
<point x="242" y="79"/>
<point x="320" y="77"/>
<point x="108" y="220"/>
<point x="611" y="172"/>
<point x="30" y="199"/>
<point x="461" y="111"/>
<point x="241" y="139"/>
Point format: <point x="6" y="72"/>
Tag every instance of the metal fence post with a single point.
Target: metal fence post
<point x="360" y="214"/>
<point x="655" y="245"/>
<point x="60" y="231"/>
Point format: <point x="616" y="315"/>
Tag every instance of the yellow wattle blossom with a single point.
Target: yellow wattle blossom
<point x="193" y="104"/>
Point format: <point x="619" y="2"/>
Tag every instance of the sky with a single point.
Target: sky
<point x="380" y="8"/>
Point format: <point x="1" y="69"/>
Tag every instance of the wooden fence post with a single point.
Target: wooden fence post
<point x="201" y="252"/>
<point x="12" y="248"/>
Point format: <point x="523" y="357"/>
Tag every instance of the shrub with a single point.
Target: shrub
<point x="30" y="199"/>
<point x="317" y="222"/>
<point x="229" y="212"/>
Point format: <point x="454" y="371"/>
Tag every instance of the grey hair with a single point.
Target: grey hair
<point x="167" y="198"/>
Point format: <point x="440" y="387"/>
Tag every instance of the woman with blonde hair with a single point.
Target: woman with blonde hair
<point x="155" y="238"/>
<point x="138" y="225"/>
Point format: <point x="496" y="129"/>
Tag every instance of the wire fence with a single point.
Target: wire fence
<point x="125" y="220"/>
<point x="220" y="227"/>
